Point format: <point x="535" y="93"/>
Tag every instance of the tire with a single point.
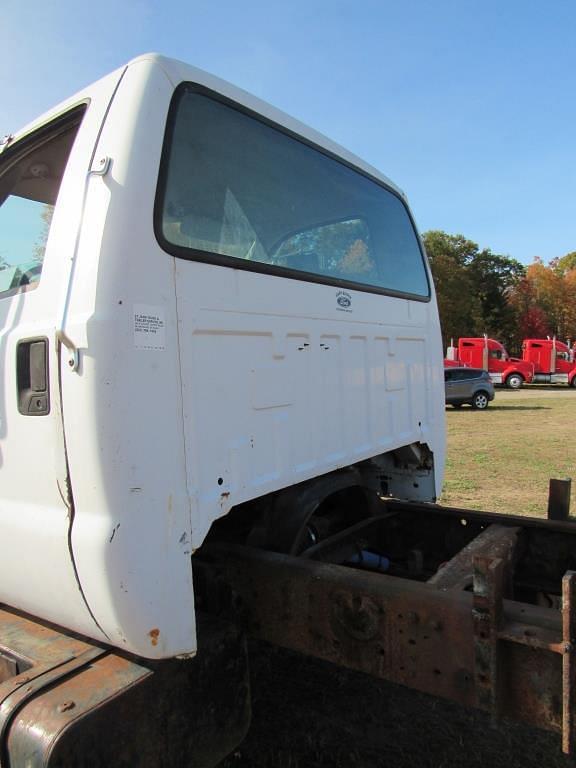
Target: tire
<point x="456" y="405"/>
<point x="515" y="381"/>
<point x="573" y="383"/>
<point x="480" y="401"/>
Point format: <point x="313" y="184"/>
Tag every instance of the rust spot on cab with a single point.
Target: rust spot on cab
<point x="154" y="636"/>
<point x="225" y="495"/>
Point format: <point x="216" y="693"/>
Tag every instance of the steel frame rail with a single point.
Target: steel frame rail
<point x="459" y="637"/>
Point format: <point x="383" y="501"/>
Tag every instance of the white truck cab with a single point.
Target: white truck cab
<point x="202" y="302"/>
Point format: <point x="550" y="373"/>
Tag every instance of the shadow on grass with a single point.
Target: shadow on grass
<point x="469" y="409"/>
<point x="545" y="387"/>
<point x="520" y="408"/>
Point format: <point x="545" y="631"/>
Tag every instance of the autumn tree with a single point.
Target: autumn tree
<point x="472" y="287"/>
<point x="458" y="303"/>
<point x="570" y="308"/>
<point x="544" y="301"/>
<point x="566" y="263"/>
<point x="548" y="288"/>
<point x="531" y="320"/>
<point x="493" y="277"/>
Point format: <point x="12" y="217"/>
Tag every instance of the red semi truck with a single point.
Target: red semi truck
<point x="553" y="361"/>
<point x="491" y="355"/>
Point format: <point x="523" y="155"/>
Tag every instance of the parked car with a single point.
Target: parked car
<point x="468" y="385"/>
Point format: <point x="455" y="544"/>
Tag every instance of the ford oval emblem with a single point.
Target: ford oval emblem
<point x="343" y="300"/>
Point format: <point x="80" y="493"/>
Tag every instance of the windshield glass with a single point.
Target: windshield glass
<point x="252" y="196"/>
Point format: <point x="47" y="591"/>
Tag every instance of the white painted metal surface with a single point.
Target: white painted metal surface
<point x="36" y="571"/>
<point x="198" y="386"/>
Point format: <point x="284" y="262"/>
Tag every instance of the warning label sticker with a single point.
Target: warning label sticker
<point x="149" y="331"/>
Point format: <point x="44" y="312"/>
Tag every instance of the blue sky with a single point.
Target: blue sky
<point x="469" y="106"/>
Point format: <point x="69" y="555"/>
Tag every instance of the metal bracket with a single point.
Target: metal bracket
<point x="27" y="686"/>
<point x="73" y="358"/>
<point x="487" y="619"/>
<point x="101" y="166"/>
<point x="495" y="541"/>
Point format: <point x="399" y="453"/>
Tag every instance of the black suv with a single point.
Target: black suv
<point x="468" y="385"/>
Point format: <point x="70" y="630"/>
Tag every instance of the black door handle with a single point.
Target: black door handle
<point x="32" y="377"/>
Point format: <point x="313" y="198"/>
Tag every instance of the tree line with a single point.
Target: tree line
<point x="483" y="292"/>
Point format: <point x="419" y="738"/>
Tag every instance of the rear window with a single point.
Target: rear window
<point x="472" y="373"/>
<point x="237" y="191"/>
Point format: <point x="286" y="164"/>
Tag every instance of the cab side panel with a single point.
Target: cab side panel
<point x="279" y="386"/>
<point x="131" y="534"/>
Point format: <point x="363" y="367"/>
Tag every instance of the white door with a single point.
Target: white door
<point x="42" y="180"/>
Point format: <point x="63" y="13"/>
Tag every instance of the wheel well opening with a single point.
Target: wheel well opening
<point x="297" y="517"/>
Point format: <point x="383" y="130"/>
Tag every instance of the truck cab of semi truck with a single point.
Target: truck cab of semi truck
<point x="552" y="360"/>
<point x="491" y="355"/>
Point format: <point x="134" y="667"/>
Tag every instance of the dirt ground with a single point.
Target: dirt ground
<point x="309" y="714"/>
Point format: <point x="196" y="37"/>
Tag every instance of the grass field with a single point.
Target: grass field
<point x="501" y="459"/>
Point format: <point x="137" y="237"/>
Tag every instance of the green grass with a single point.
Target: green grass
<point x="502" y="459"/>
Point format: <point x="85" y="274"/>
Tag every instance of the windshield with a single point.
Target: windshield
<point x="257" y="198"/>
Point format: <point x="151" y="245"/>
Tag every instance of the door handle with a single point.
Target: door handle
<point x="32" y="382"/>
